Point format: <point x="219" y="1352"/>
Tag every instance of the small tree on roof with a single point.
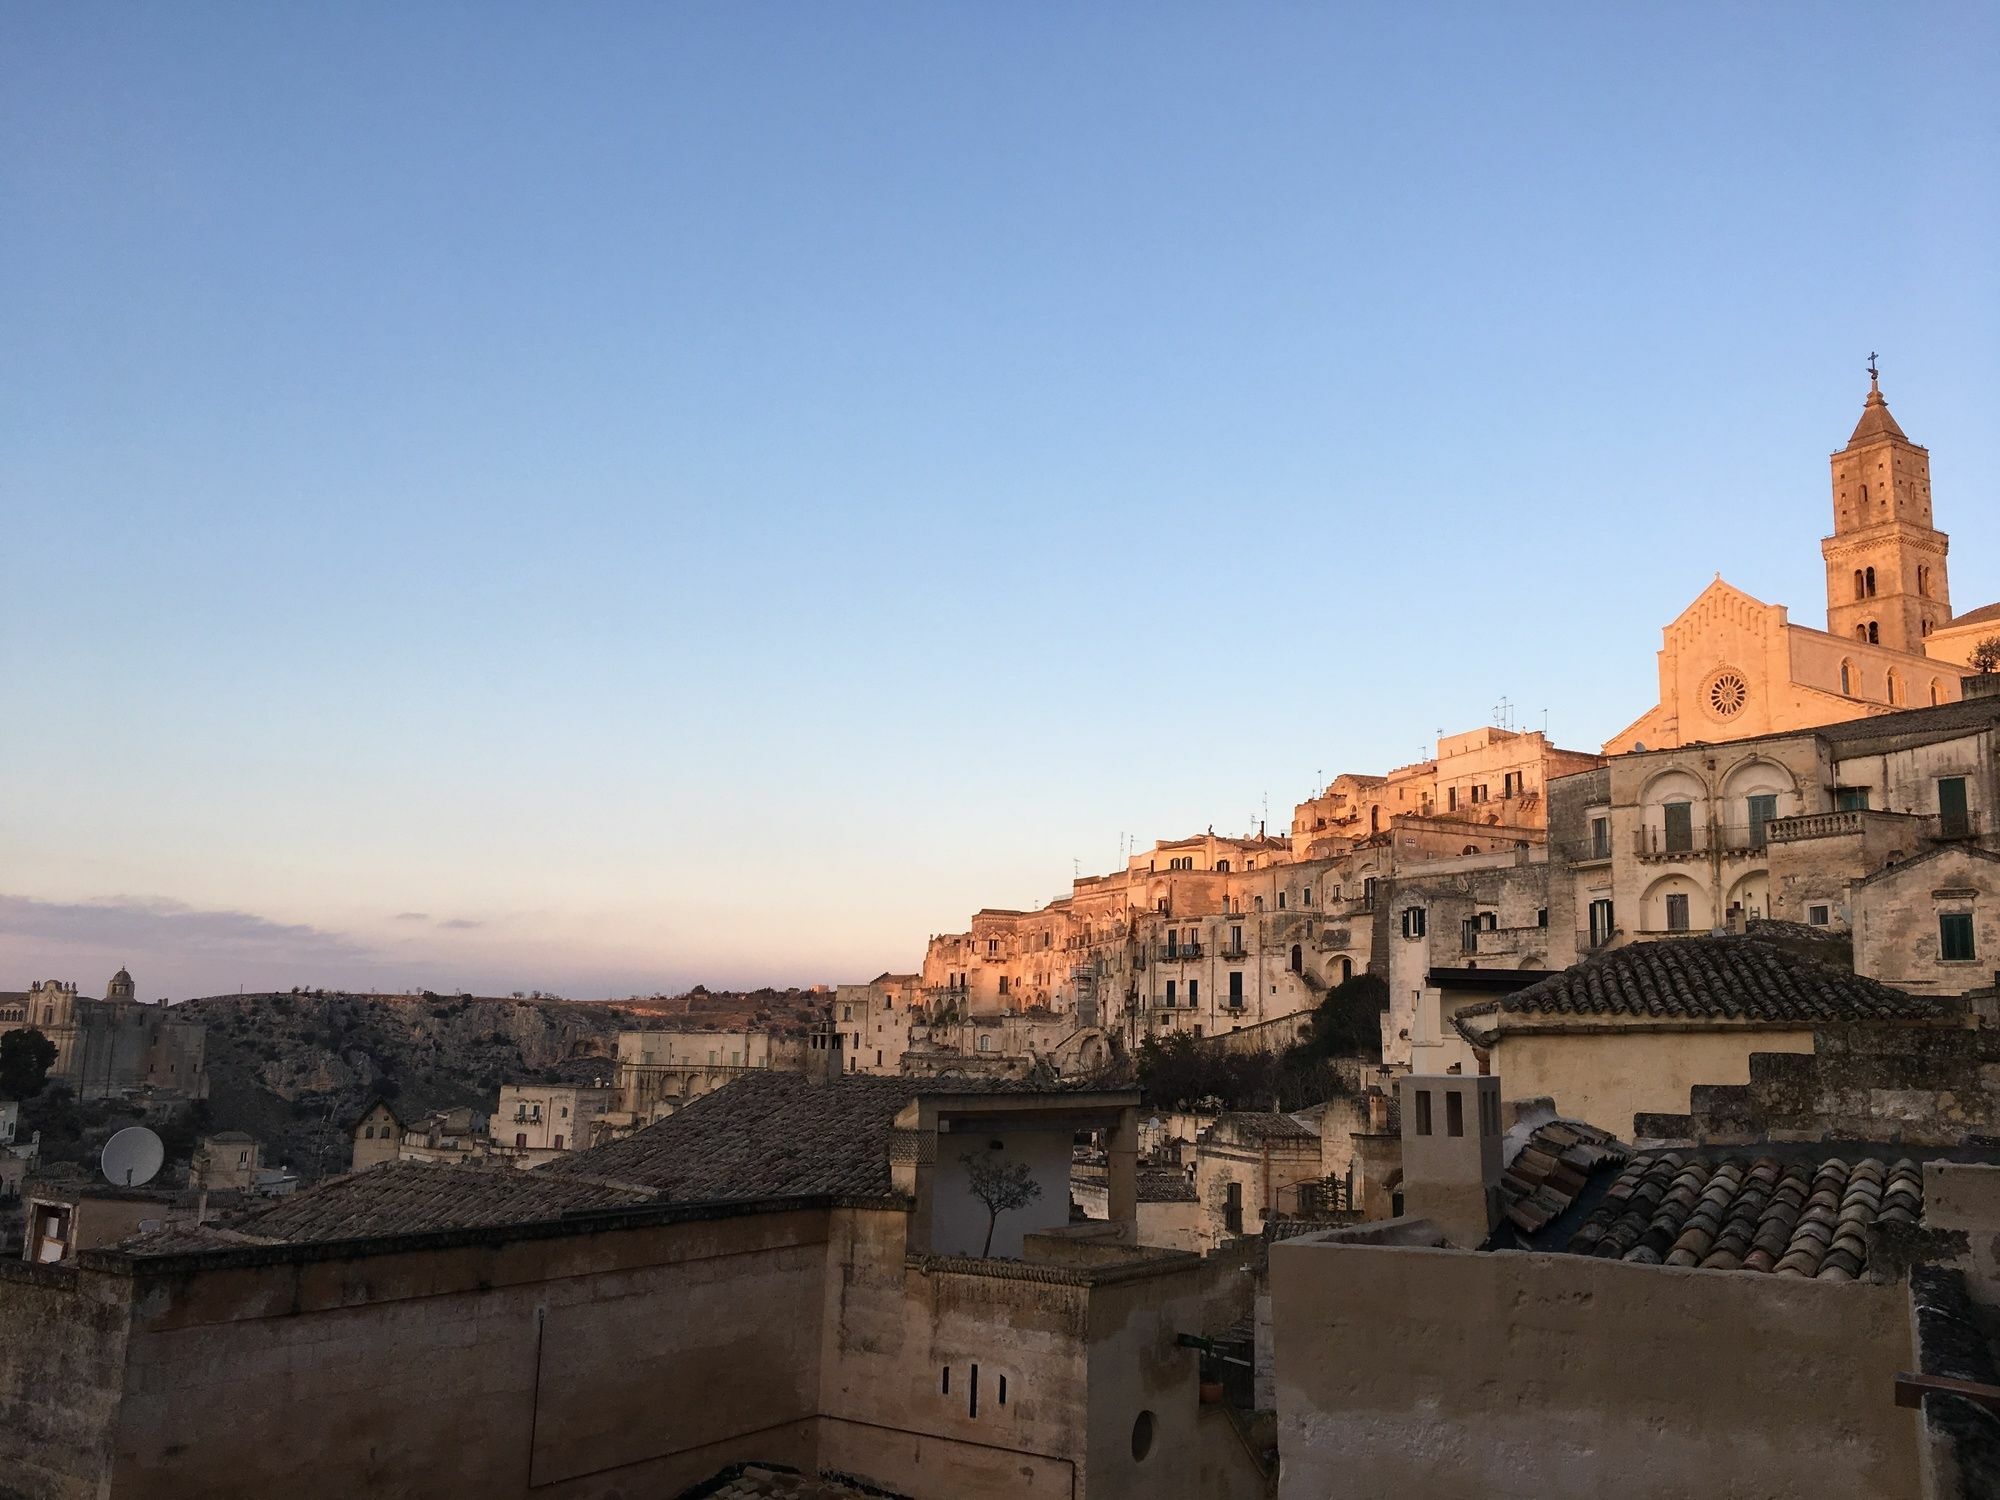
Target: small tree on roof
<point x="1002" y="1186"/>
<point x="1985" y="658"/>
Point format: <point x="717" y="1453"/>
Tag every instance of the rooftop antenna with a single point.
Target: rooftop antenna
<point x="131" y="1157"/>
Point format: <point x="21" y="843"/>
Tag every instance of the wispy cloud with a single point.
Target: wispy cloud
<point x="145" y="923"/>
<point x="411" y="916"/>
<point x="459" y="924"/>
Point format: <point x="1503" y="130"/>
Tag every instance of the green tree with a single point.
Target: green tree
<point x="1348" y="1022"/>
<point x="1002" y="1186"/>
<point x="1985" y="658"/>
<point x="25" y="1059"/>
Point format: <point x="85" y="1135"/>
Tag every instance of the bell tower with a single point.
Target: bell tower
<point x="1885" y="568"/>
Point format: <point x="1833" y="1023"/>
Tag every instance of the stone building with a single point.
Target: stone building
<point x="109" y="1048"/>
<point x="778" y="1273"/>
<point x="227" y="1161"/>
<point x="1731" y="666"/>
<point x="377" y="1135"/>
<point x="1666" y="843"/>
<point x="1931" y="923"/>
<point x="1645" y="1303"/>
<point x="535" y="1122"/>
<point x="1634" y="1030"/>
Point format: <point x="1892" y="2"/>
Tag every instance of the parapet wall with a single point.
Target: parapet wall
<point x="1437" y="1373"/>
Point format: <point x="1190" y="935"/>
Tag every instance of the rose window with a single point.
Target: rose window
<point x="1727" y="694"/>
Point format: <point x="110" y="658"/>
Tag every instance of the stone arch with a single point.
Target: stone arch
<point x="1653" y="905"/>
<point x="1752" y="892"/>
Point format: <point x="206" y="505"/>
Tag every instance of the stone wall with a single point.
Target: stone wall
<point x="62" y="1351"/>
<point x="1917" y="1085"/>
<point x="1425" y="1373"/>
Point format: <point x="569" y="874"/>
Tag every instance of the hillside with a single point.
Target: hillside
<point x="295" y="1069"/>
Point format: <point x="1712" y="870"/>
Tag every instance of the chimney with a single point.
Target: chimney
<point x="1451" y="1154"/>
<point x="1378" y="1111"/>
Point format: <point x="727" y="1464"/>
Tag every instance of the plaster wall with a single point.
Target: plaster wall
<point x="958" y="1220"/>
<point x="579" y="1366"/>
<point x="1434" y="1373"/>
<point x="1896" y="923"/>
<point x="1606" y="1077"/>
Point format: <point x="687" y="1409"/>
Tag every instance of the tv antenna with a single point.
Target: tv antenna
<point x="131" y="1157"/>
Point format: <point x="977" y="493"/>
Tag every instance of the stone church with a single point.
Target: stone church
<point x="1733" y="666"/>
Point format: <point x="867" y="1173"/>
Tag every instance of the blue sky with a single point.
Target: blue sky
<point x="602" y="497"/>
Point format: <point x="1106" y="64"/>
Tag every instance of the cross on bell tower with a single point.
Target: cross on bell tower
<point x="1885" y="562"/>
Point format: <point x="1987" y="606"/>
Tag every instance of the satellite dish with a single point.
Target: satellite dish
<point x="132" y="1156"/>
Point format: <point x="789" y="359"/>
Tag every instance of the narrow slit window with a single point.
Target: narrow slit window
<point x="1454" y="1114"/>
<point x="972" y="1394"/>
<point x="947" y="1380"/>
<point x="1003" y="1390"/>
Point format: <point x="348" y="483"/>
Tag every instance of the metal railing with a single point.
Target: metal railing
<point x="1179" y="952"/>
<point x="1669" y="843"/>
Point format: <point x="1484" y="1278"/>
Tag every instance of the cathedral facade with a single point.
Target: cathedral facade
<point x="1732" y="666"/>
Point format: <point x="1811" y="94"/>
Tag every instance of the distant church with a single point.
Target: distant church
<point x="1732" y="666"/>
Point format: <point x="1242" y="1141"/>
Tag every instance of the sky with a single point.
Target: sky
<point x="598" y="497"/>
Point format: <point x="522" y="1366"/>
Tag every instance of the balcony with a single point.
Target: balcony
<point x="1589" y="851"/>
<point x="1671" y="843"/>
<point x="1233" y="953"/>
<point x="1174" y="953"/>
<point x="1960" y="825"/>
<point x="1589" y="941"/>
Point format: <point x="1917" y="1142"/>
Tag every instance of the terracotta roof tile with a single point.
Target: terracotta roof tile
<point x="1704" y="978"/>
<point x="1753" y="1214"/>
<point x="408" y="1197"/>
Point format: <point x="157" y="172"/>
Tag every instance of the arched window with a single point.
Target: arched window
<point x="1924" y="579"/>
<point x="1874" y="634"/>
<point x="1298" y="959"/>
<point x="1861" y="632"/>
<point x="1860" y="588"/>
<point x="1895" y="690"/>
<point x="1846" y="679"/>
<point x="1924" y="628"/>
<point x="1937" y="692"/>
<point x="1871" y="583"/>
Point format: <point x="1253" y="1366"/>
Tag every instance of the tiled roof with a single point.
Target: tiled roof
<point x="407" y="1197"/>
<point x="1551" y="1168"/>
<point x="1731" y="979"/>
<point x="772" y="1134"/>
<point x="1978" y="616"/>
<point x="1794" y="1219"/>
<point x="1165" y="1185"/>
<point x="1247" y="1125"/>
<point x="765" y="1134"/>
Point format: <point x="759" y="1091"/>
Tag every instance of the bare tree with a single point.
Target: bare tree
<point x="1002" y="1186"/>
<point x="1985" y="658"/>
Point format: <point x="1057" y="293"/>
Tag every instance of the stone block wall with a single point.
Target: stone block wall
<point x="1919" y="1085"/>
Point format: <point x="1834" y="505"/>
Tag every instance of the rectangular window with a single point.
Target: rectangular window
<point x="1236" y="989"/>
<point x="1850" y="799"/>
<point x="1468" y="935"/>
<point x="1680" y="827"/>
<point x="1194" y="992"/>
<point x="1953" y="820"/>
<point x="1600" y="837"/>
<point x="1173" y="945"/>
<point x="1677" y="913"/>
<point x="1454" y="1113"/>
<point x="1955" y="935"/>
<point x="1368" y="891"/>
<point x="1542" y="917"/>
<point x="1423" y="1111"/>
<point x="1170" y="994"/>
<point x="972" y="1394"/>
<point x="1236" y="940"/>
<point x="1451" y="799"/>
<point x="1816" y="915"/>
<point x="1413" y="922"/>
<point x="1479" y="794"/>
<point x="1600" y="923"/>
<point x="1232" y="1209"/>
<point x="1763" y="808"/>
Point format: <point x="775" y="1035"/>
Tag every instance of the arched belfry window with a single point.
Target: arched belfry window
<point x="1924" y="579"/>
<point x="1870" y="575"/>
<point x="1861" y="632"/>
<point x="1874" y="634"/>
<point x="1860" y="585"/>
